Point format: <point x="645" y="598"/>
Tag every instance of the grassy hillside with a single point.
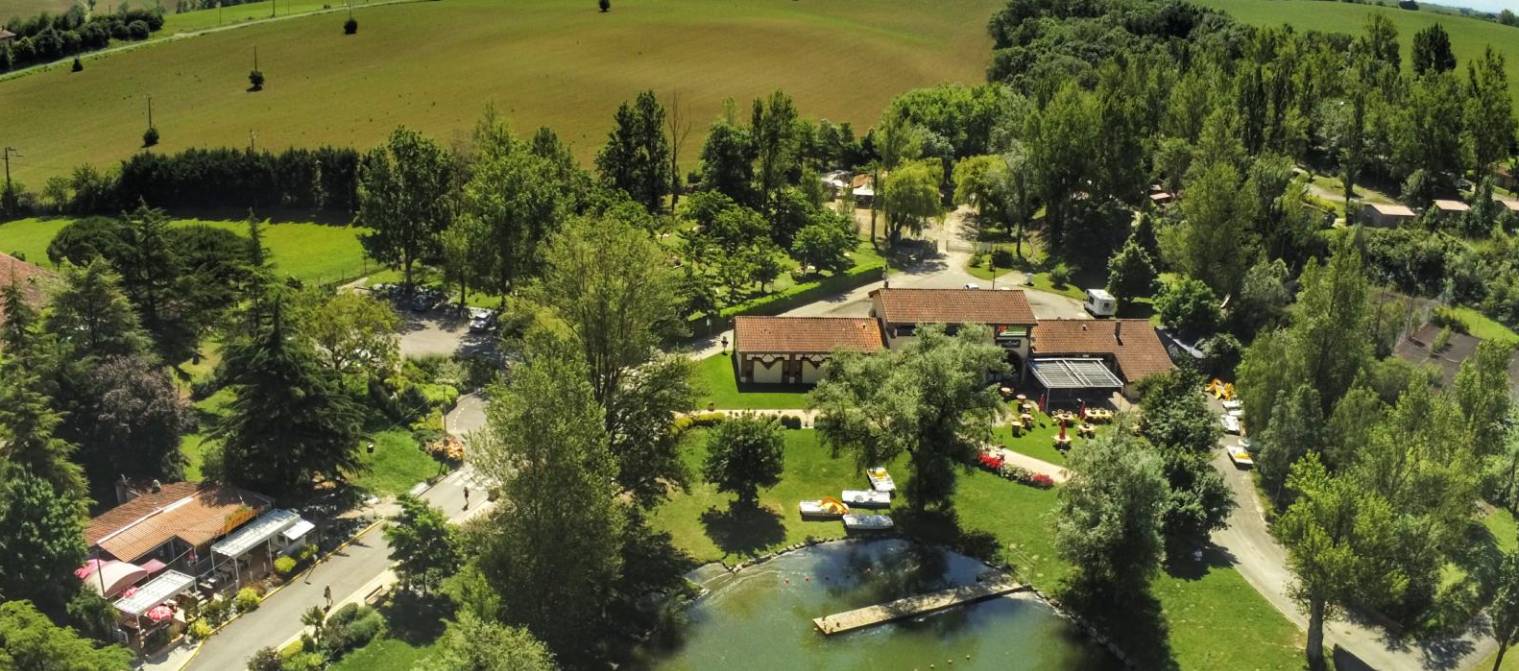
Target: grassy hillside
<point x="1468" y="36"/>
<point x="24" y="8"/>
<point x="434" y="66"/>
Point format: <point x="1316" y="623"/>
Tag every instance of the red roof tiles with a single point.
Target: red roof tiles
<point x="806" y="335"/>
<point x="952" y="306"/>
<point x="193" y="512"/>
<point x="1132" y="343"/>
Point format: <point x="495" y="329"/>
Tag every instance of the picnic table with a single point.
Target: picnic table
<point x="1086" y="431"/>
<point x="1027" y="420"/>
<point x="1099" y="415"/>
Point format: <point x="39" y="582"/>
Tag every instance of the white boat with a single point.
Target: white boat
<point x="826" y="507"/>
<point x="867" y="498"/>
<point x="1240" y="456"/>
<point x="1231" y="423"/>
<point x="880" y="480"/>
<point x="867" y="522"/>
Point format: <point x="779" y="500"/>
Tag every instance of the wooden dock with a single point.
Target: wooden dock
<point x="913" y="606"/>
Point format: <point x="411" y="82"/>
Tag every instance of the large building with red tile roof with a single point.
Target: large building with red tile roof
<point x="780" y="350"/>
<point x="1076" y="353"/>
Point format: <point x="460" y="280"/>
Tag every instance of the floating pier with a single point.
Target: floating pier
<point x="913" y="606"/>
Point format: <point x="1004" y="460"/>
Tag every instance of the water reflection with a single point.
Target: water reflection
<point x="761" y="618"/>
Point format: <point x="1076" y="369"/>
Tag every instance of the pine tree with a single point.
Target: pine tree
<point x="290" y="421"/>
<point x="27" y="418"/>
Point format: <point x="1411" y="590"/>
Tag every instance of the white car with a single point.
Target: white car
<point x="1240" y="456"/>
<point x="972" y="285"/>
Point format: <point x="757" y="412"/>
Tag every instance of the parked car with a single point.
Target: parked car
<point x="481" y="320"/>
<point x="424" y="300"/>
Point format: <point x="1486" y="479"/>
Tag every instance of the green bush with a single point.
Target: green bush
<point x="1002" y="258"/>
<point x="351" y="627"/>
<point x="684" y="423"/>
<point x="305" y="661"/>
<point x="283" y="566"/>
<point x="246" y="600"/>
<point x="307" y="551"/>
<point x="200" y="630"/>
<point x="216" y="610"/>
<point x="1060" y="275"/>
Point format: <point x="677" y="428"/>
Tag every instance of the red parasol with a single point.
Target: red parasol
<point x="160" y="613"/>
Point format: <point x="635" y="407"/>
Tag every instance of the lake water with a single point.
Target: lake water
<point x="761" y="618"/>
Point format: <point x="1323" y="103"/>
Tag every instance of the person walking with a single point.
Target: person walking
<point x="327" y="594"/>
<point x="466" y="497"/>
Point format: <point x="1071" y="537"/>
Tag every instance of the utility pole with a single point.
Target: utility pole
<point x="8" y="197"/>
<point x="8" y="151"/>
<point x="150" y="111"/>
<point x="252" y="141"/>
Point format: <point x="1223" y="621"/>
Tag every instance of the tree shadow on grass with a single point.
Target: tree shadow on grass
<point x="942" y="527"/>
<point x="1135" y="622"/>
<point x="417" y="619"/>
<point x="743" y="530"/>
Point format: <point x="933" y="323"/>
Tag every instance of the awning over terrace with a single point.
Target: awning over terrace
<point x="1074" y="374"/>
<point x="157" y="591"/>
<point x="256" y="532"/>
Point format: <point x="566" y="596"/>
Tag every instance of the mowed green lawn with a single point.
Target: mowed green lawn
<point x="313" y="253"/>
<point x="1468" y="36"/>
<point x="1206" y="616"/>
<point x="434" y="66"/>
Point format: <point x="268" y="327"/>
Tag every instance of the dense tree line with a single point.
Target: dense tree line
<point x="47" y="37"/>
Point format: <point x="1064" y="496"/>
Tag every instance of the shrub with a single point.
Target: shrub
<point x="150" y="137"/>
<point x="215" y="611"/>
<point x="305" y="661"/>
<point x="283" y="566"/>
<point x="1002" y="258"/>
<point x="78" y="66"/>
<point x="684" y="423"/>
<point x="791" y="421"/>
<point x="256" y="80"/>
<point x="265" y="659"/>
<point x="1042" y="481"/>
<point x="138" y="30"/>
<point x="350" y="627"/>
<point x="350" y="26"/>
<point x="246" y="600"/>
<point x="200" y="630"/>
<point x="1060" y="275"/>
<point x="307" y="551"/>
<point x="605" y="5"/>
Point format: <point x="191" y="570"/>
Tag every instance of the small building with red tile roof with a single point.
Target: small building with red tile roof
<point x="1006" y="312"/>
<point x="170" y="521"/>
<point x="796" y="350"/>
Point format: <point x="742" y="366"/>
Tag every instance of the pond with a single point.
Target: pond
<point x="761" y="617"/>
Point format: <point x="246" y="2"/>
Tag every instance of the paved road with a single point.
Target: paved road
<point x="351" y="574"/>
<point x="1262" y="561"/>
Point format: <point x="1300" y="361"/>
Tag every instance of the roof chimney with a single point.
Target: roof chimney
<point x="1118" y="330"/>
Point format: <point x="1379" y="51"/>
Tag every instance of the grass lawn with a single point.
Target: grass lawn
<point x="398" y="463"/>
<point x="1203" y="617"/>
<point x="434" y="66"/>
<point x="714" y="377"/>
<point x="1482" y="326"/>
<point x="312" y="253"/>
<point x="1468" y="36"/>
<point x="385" y="654"/>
